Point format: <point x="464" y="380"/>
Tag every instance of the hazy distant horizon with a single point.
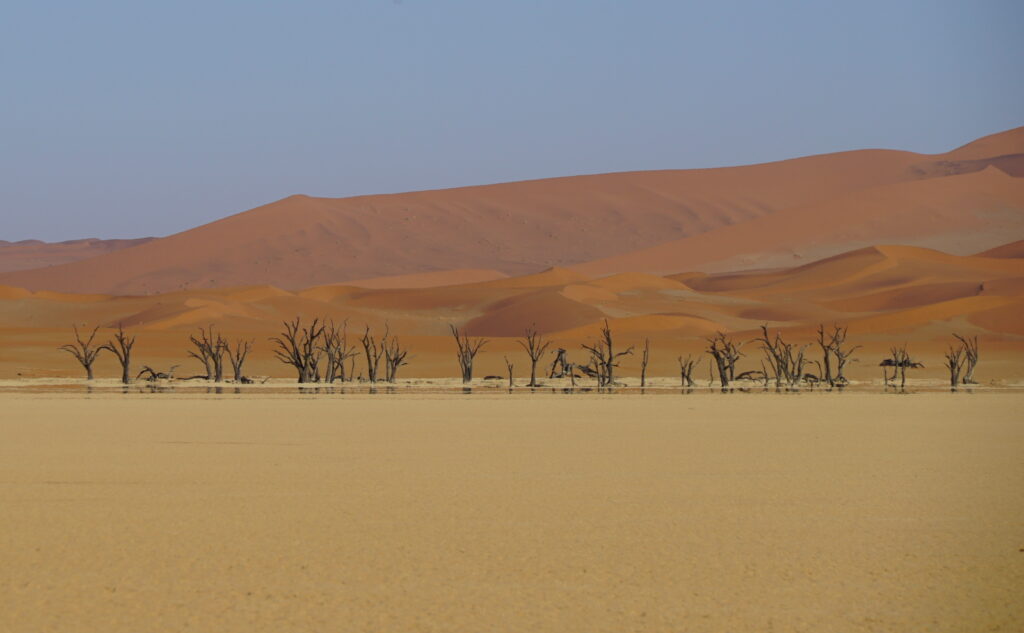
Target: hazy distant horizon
<point x="126" y="121"/>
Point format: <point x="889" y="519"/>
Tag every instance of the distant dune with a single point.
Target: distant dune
<point x="900" y="247"/>
<point x="960" y="214"/>
<point x="886" y="293"/>
<point x="772" y="214"/>
<point x="29" y="254"/>
<point x="514" y="228"/>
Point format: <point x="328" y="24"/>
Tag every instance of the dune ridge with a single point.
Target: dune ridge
<point x="526" y="227"/>
<point x="886" y="292"/>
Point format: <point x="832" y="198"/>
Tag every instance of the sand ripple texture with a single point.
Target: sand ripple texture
<point x="861" y="512"/>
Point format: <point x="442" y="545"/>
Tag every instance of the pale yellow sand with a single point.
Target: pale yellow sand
<point x="813" y="512"/>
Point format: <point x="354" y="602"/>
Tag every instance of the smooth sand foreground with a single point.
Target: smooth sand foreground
<point x="841" y="512"/>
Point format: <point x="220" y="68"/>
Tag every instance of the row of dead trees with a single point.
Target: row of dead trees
<point x="323" y="352"/>
<point x="208" y="346"/>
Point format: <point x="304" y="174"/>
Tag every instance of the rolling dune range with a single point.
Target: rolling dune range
<point x="885" y="294"/>
<point x="663" y="222"/>
<point x="901" y="247"/>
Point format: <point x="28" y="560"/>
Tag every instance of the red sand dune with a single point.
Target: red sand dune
<point x="660" y="222"/>
<point x="1013" y="249"/>
<point x="960" y="214"/>
<point x="429" y="280"/>
<point x="514" y="228"/>
<point x="881" y="292"/>
<point x="29" y="254"/>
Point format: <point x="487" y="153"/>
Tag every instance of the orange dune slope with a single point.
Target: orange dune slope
<point x="29" y="254"/>
<point x="962" y="214"/>
<point x="884" y="293"/>
<point x="513" y="228"/>
<point x="757" y="216"/>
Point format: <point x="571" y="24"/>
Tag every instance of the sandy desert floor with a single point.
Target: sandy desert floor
<point x="420" y="512"/>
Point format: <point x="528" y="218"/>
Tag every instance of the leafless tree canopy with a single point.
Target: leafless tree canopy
<point x="561" y="365"/>
<point x="152" y="375"/>
<point x="535" y="347"/>
<point x="900" y="361"/>
<point x="237" y="355"/>
<point x="785" y="361"/>
<point x="83" y="350"/>
<point x="374" y="350"/>
<point x="725" y="354"/>
<point x="955" y="360"/>
<point x="603" y="357"/>
<point x="300" y="347"/>
<point x="510" y="367"/>
<point x="686" y="371"/>
<point x="644" y="359"/>
<point x="468" y="348"/>
<point x="210" y="348"/>
<point x="121" y="346"/>
<point x="394" y="357"/>
<point x="337" y="351"/>
<point x="969" y="347"/>
<point x="831" y="345"/>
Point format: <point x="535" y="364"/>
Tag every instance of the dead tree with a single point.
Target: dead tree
<point x="725" y="354"/>
<point x="154" y="375"/>
<point x="755" y="375"/>
<point x="394" y="357"/>
<point x="561" y="365"/>
<point x="374" y="350"/>
<point x="510" y="367"/>
<point x="83" y="350"/>
<point x="300" y="347"/>
<point x="121" y="346"/>
<point x="686" y="371"/>
<point x="970" y="351"/>
<point x="468" y="349"/>
<point x="336" y="350"/>
<point x="644" y="359"/>
<point x="956" y="358"/>
<point x="831" y="345"/>
<point x="237" y="356"/>
<point x="827" y="343"/>
<point x="900" y="362"/>
<point x="210" y="348"/>
<point x="604" y="358"/>
<point x="535" y="347"/>
<point x="785" y="360"/>
<point x="842" y="357"/>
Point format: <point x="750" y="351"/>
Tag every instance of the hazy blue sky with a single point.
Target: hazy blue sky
<point x="133" y="118"/>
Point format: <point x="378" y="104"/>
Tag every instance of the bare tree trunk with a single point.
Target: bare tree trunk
<point x="955" y="359"/>
<point x="121" y="347"/>
<point x="510" y="368"/>
<point x="394" y="357"/>
<point x="604" y="356"/>
<point x="560" y="365"/>
<point x="467" y="350"/>
<point x="373" y="351"/>
<point x="645" y="358"/>
<point x="301" y="348"/>
<point x="237" y="357"/>
<point x="535" y="346"/>
<point x="970" y="350"/>
<point x="83" y="350"/>
<point x="686" y="371"/>
<point x="725" y="353"/>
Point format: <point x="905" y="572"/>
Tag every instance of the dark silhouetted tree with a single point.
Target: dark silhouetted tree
<point x="535" y="347"/>
<point x="121" y="347"/>
<point x="83" y="350"/>
<point x="468" y="348"/>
